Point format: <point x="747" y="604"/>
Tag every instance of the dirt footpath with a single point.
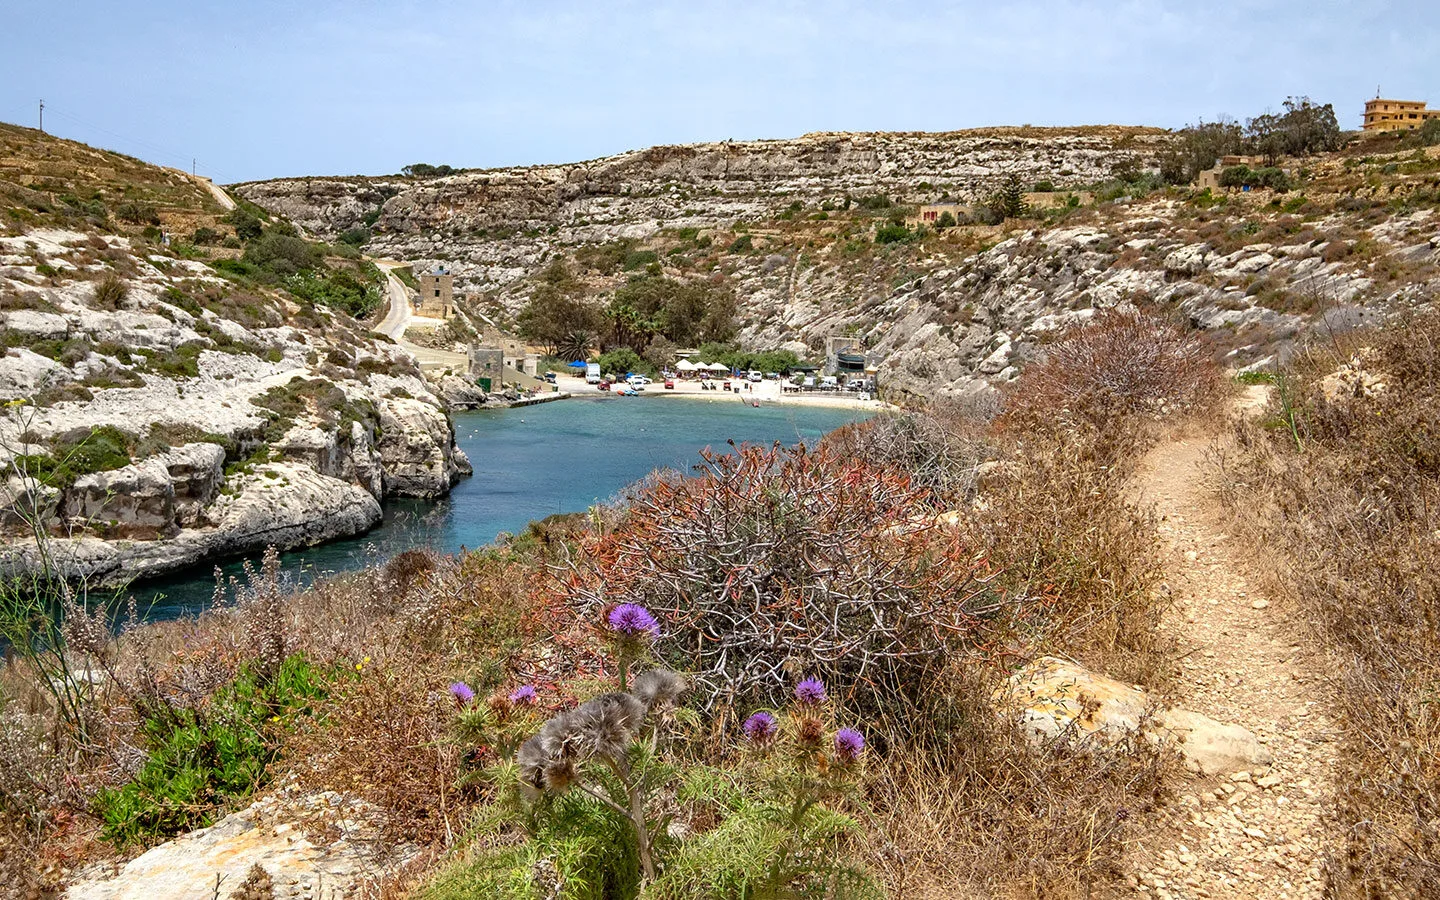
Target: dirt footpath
<point x="1255" y="834"/>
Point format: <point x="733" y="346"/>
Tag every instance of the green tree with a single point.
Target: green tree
<point x="246" y="224"/>
<point x="1197" y="147"/>
<point x="283" y="255"/>
<point x="622" y="360"/>
<point x="1008" y="202"/>
<point x="946" y="220"/>
<point x="558" y="315"/>
<point x="1304" y="128"/>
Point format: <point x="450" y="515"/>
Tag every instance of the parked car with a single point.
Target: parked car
<point x="669" y="384"/>
<point x="634" y="380"/>
<point x="550" y="377"/>
<point x="604" y="385"/>
<point x="772" y="376"/>
<point x="592" y="373"/>
<point x="755" y="376"/>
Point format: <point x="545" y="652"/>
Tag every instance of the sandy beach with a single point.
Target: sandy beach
<point x="765" y="392"/>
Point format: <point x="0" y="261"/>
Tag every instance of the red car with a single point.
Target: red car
<point x="669" y="384"/>
<point x="604" y="385"/>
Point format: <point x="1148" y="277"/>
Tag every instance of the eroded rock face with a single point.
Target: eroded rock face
<point x="196" y="472"/>
<point x="275" y="834"/>
<point x="276" y="504"/>
<point x="461" y="393"/>
<point x="1052" y="695"/>
<point x="134" y="500"/>
<point x="417" y="449"/>
<point x="198" y="377"/>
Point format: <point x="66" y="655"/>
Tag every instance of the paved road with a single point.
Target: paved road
<point x="397" y="317"/>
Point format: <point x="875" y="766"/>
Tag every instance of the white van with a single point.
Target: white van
<point x="592" y="373"/>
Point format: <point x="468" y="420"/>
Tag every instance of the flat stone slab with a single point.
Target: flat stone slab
<point x="1054" y="695"/>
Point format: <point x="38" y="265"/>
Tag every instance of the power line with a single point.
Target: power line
<point x="163" y="152"/>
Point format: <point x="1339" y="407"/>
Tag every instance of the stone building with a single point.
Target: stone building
<point x="487" y="367"/>
<point x="437" y="294"/>
<point x="930" y="213"/>
<point x="1396" y="115"/>
<point x="847" y="356"/>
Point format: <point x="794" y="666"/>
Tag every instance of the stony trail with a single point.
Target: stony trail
<point x="1251" y="834"/>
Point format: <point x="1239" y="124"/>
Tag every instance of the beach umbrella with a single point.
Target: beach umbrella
<point x="686" y="365"/>
<point x="577" y="364"/>
<point x="718" y="367"/>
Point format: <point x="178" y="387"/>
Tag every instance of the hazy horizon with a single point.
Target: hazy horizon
<point x="273" y="91"/>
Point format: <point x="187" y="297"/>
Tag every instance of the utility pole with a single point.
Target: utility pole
<point x="192" y="167"/>
<point x="42" y="116"/>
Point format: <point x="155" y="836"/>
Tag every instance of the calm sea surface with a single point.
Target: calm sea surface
<point x="531" y="462"/>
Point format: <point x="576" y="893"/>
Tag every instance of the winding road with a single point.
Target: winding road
<point x="397" y="318"/>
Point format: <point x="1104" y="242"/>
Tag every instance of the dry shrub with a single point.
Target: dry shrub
<point x="981" y="810"/>
<point x="383" y="739"/>
<point x="943" y="449"/>
<point x="110" y="292"/>
<point x="1057" y="523"/>
<point x="1347" y="499"/>
<point x="775" y="561"/>
<point x="386" y="733"/>
<point x="1107" y="384"/>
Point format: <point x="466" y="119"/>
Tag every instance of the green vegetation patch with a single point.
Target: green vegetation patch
<point x="203" y="759"/>
<point x="287" y="403"/>
<point x="79" y="452"/>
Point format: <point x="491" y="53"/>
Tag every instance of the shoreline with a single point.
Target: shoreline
<point x="767" y="392"/>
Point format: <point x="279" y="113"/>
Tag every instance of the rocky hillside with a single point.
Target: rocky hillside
<point x="168" y="402"/>
<point x="795" y="226"/>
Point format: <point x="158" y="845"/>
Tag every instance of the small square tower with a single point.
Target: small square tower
<point x="437" y="293"/>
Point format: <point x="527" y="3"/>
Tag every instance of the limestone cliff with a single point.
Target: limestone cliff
<point x="790" y="225"/>
<point x="162" y="409"/>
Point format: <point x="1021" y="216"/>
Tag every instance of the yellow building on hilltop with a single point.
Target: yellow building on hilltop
<point x="1396" y="115"/>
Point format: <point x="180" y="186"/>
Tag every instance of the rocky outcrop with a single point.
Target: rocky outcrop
<point x="152" y="498"/>
<point x="417" y="446"/>
<point x="285" y="505"/>
<point x="218" y="381"/>
<point x="1052" y="696"/>
<point x="278" y="834"/>
<point x="462" y="393"/>
<point x="955" y="314"/>
<point x="590" y="200"/>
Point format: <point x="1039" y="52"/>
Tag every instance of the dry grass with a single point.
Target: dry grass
<point x="1347" y="500"/>
<point x="987" y="812"/>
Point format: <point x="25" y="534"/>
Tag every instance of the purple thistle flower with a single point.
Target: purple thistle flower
<point x="633" y="620"/>
<point x="810" y="692"/>
<point x="524" y="695"/>
<point x="849" y="743"/>
<point x="462" y="693"/>
<point x="760" y="727"/>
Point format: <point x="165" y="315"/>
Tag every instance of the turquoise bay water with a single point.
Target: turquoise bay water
<point x="531" y="462"/>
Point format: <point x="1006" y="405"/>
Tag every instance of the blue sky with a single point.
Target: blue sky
<point x="261" y="89"/>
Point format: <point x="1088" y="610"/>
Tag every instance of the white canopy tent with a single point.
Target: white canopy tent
<point x="685" y="365"/>
<point x="717" y="367"/>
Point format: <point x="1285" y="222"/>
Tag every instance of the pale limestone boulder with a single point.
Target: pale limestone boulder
<point x="23" y="372"/>
<point x="24" y="500"/>
<point x="272" y="834"/>
<point x="1052" y="695"/>
<point x="417" y="449"/>
<point x="197" y="472"/>
<point x="151" y="497"/>
<point x="1191" y="259"/>
<point x="134" y="499"/>
<point x="284" y="505"/>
